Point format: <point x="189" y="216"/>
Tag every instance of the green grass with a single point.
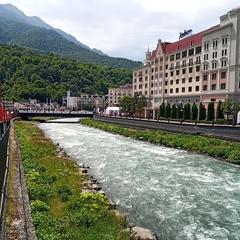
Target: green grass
<point x="229" y="151"/>
<point x="59" y="208"/>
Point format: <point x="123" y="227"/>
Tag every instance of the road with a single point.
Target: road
<point x="227" y="132"/>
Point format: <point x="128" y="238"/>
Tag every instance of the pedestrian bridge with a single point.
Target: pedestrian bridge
<point x="59" y="114"/>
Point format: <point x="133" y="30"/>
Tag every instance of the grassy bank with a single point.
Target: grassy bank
<point x="59" y="208"/>
<point x="226" y="150"/>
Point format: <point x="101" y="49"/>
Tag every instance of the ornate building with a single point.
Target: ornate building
<point x="202" y="67"/>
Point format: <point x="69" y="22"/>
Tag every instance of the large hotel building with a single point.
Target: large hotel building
<point x="202" y="67"/>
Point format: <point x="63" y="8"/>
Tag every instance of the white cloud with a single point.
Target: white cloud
<point x="124" y="28"/>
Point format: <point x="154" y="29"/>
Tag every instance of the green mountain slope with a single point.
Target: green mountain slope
<point x="16" y="28"/>
<point x="28" y="74"/>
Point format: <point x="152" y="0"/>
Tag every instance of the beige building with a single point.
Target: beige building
<point x="202" y="67"/>
<point x="82" y="101"/>
<point x="115" y="93"/>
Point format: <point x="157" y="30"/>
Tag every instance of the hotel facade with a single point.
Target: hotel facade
<point x="203" y="67"/>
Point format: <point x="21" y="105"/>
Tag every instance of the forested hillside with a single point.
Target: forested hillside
<point x="17" y="28"/>
<point x="28" y="74"/>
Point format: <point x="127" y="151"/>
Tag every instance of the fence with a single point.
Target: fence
<point x="4" y="135"/>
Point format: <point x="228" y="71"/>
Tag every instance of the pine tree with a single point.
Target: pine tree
<point x="210" y="111"/>
<point x="219" y="114"/>
<point x="174" y="111"/>
<point x="202" y="112"/>
<point x="194" y="111"/>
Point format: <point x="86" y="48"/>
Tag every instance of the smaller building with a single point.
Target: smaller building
<point x="115" y="93"/>
<point x="83" y="101"/>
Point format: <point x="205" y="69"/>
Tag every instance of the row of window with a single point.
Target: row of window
<point x="185" y="53"/>
<point x="215" y="43"/>
<point x="197" y="88"/>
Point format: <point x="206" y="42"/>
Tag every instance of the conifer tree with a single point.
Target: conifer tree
<point x="210" y="111"/>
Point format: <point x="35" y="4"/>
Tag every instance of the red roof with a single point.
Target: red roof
<point x="186" y="42"/>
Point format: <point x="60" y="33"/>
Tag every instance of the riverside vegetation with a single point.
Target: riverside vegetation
<point x="59" y="208"/>
<point x="229" y="151"/>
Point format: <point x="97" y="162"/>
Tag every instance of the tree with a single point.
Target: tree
<point x="162" y="110"/>
<point x="187" y="111"/>
<point x="219" y="114"/>
<point x="210" y="111"/>
<point x="141" y="104"/>
<point x="180" y="111"/>
<point x="202" y="112"/>
<point x="194" y="111"/>
<point x="167" y="113"/>
<point x="174" y="111"/>
<point x="125" y="103"/>
<point x="227" y="106"/>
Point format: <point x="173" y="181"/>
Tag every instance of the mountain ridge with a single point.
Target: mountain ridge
<point x="17" y="28"/>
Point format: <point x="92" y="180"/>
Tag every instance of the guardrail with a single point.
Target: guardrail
<point x="4" y="164"/>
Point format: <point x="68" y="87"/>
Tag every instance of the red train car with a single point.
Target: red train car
<point x="5" y="115"/>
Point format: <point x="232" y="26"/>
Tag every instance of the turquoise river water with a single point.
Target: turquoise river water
<point x="176" y="194"/>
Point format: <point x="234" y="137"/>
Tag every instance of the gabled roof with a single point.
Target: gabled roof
<point x="188" y="41"/>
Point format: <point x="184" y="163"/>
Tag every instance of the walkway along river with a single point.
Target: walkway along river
<point x="176" y="194"/>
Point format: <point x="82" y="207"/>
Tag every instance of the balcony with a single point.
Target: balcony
<point x="198" y="62"/>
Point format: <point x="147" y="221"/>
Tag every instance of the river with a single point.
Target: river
<point x="176" y="194"/>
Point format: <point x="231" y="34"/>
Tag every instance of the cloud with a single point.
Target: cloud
<point x="125" y="28"/>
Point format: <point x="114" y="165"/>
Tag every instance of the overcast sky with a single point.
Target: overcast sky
<point x="125" y="28"/>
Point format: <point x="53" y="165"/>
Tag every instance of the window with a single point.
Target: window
<point x="172" y="57"/>
<point x="183" y="80"/>
<point x="214" y="55"/>
<point x="198" y="49"/>
<point x="171" y="82"/>
<point x="206" y="45"/>
<point x="189" y="89"/>
<point x="197" y="68"/>
<point x="204" y="87"/>
<point x="183" y="71"/>
<point x="197" y="88"/>
<point x="224" y="40"/>
<point x="205" y="57"/>
<point x="166" y="75"/>
<point x="214" y="65"/>
<point x="190" y="70"/>
<point x="161" y="59"/>
<point x="166" y="66"/>
<point x="205" y="77"/>
<point x="156" y="69"/>
<point x="198" y="61"/>
<point x="177" y="90"/>
<point x="213" y="86"/>
<point x="205" y="66"/>
<point x="224" y="63"/>
<point x="190" y="52"/>
<point x="223" y="85"/>
<point x="224" y="52"/>
<point x="197" y="78"/>
<point x="184" y="54"/>
<point x="171" y="90"/>
<point x="178" y="56"/>
<point x="171" y="73"/>
<point x="183" y="89"/>
<point x="215" y="43"/>
<point x="177" y="81"/>
<point x="214" y="76"/>
<point x="223" y="74"/>
<point x="165" y="91"/>
<point x="190" y="79"/>
<point x="177" y="72"/>
<point x="190" y="62"/>
<point x="166" y="83"/>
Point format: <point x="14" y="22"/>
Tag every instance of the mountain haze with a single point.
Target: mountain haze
<point x="17" y="28"/>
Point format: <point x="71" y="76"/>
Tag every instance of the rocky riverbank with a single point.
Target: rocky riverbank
<point x="91" y="185"/>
